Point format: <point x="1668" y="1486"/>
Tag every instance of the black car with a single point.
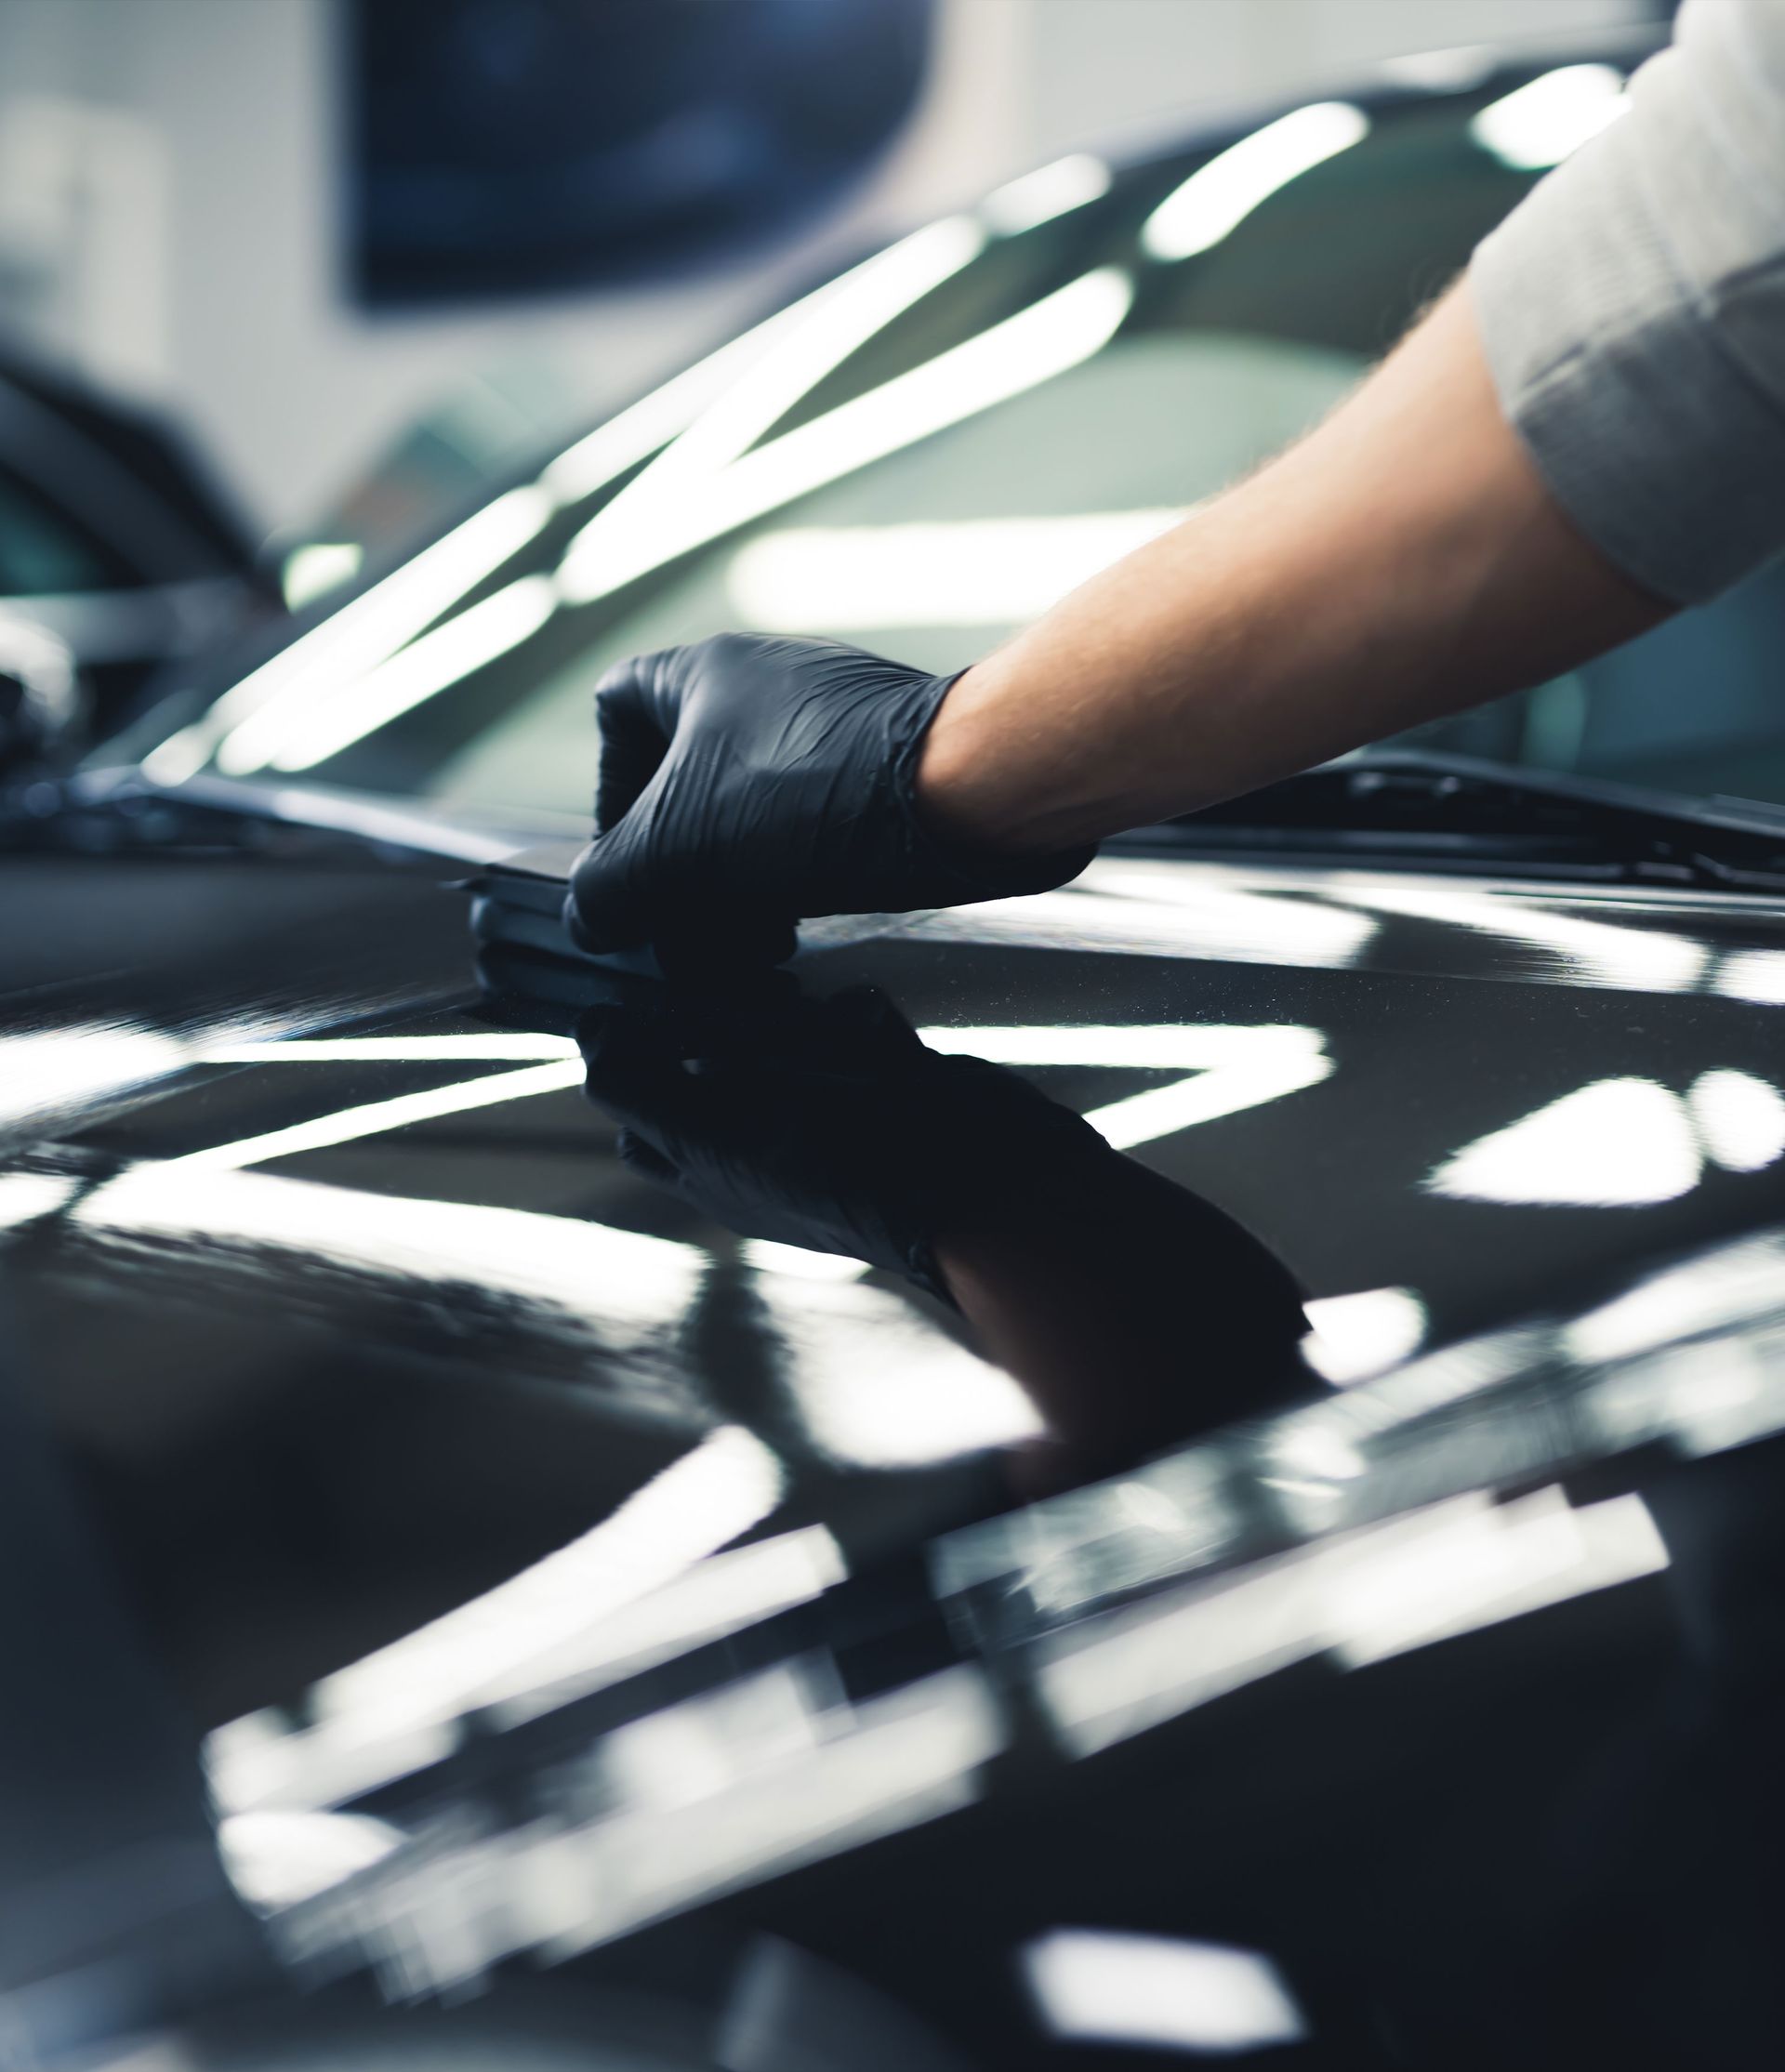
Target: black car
<point x="549" y="1575"/>
<point x="116" y="544"/>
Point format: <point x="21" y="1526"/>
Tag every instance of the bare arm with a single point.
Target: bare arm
<point x="1405" y="561"/>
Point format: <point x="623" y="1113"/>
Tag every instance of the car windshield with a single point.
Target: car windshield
<point x="928" y="451"/>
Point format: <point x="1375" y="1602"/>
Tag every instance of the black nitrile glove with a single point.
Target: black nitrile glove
<point x="828" y="1125"/>
<point x="747" y="783"/>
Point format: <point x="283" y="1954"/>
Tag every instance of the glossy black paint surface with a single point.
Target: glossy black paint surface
<point x="314" y="1394"/>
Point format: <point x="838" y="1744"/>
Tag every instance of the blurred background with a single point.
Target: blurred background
<point x="359" y="252"/>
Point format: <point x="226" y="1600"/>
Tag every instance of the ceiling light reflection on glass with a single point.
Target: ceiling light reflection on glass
<point x="1051" y="191"/>
<point x="1217" y="198"/>
<point x="966" y="571"/>
<point x="365" y="631"/>
<point x="1102" y="1985"/>
<point x="1540" y="125"/>
<point x="1059" y="332"/>
<point x="336" y="718"/>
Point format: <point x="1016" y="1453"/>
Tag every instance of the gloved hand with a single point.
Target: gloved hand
<point x="747" y="783"/>
<point x="828" y="1125"/>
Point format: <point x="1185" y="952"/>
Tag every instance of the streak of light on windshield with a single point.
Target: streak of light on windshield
<point x="1219" y="196"/>
<point x="968" y="572"/>
<point x="1540" y="125"/>
<point x="1059" y="332"/>
<point x="1355" y="1336"/>
<point x="1051" y="191"/>
<point x="346" y="712"/>
<point x="365" y="631"/>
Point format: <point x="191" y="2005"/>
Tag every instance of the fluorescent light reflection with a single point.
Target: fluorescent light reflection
<point x="495" y="1046"/>
<point x="1622" y="1142"/>
<point x="26" y="1197"/>
<point x="366" y="631"/>
<point x="1099" y="1986"/>
<point x="1740" y="1119"/>
<point x="375" y="1117"/>
<point x="878" y="1387"/>
<point x="377" y="1718"/>
<point x="1041" y="196"/>
<point x="1237" y="1067"/>
<point x="314" y="570"/>
<point x="1024" y="351"/>
<point x="60" y="1071"/>
<point x="1731" y="1289"/>
<point x="1541" y="124"/>
<point x="1355" y="1336"/>
<point x="1163" y="1111"/>
<point x="1219" y="197"/>
<point x="701" y="1799"/>
<point x="629" y="1288"/>
<point x="1362" y="1598"/>
<point x="335" y="719"/>
<point x="276" y="1859"/>
<point x="966" y="571"/>
<point x="1601" y="953"/>
<point x="1616" y="1143"/>
<point x="1757" y="975"/>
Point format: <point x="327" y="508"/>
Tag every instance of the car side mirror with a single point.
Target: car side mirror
<point x="43" y="702"/>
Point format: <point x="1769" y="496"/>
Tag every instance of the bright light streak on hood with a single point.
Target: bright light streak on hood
<point x="1104" y="1985"/>
<point x="1541" y="124"/>
<point x="1123" y="905"/>
<point x="393" y="1704"/>
<point x="1603" y="953"/>
<point x="276" y="1859"/>
<point x="1219" y="197"/>
<point x="60" y="1071"/>
<point x="1363" y="1597"/>
<point x="373" y="1118"/>
<point x="969" y="571"/>
<point x="1059" y="332"/>
<point x="626" y="1282"/>
<point x="1616" y="1143"/>
<point x="1355" y="1336"/>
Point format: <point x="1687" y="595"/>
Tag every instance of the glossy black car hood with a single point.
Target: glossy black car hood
<point x="355" y="1338"/>
<point x="280" y="1154"/>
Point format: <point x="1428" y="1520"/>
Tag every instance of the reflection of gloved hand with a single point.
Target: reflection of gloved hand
<point x="747" y="783"/>
<point x="830" y="1125"/>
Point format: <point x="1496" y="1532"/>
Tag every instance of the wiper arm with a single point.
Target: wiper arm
<point x="1459" y="812"/>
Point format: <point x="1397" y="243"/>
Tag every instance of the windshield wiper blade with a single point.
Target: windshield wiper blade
<point x="1456" y="813"/>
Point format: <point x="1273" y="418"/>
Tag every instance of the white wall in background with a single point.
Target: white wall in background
<point x="219" y="289"/>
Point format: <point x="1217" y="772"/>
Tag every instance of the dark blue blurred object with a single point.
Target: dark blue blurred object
<point x="510" y="147"/>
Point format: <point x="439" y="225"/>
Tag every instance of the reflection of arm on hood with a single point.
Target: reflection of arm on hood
<point x="1131" y="1311"/>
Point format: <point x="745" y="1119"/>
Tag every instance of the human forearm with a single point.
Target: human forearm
<point x="1402" y="562"/>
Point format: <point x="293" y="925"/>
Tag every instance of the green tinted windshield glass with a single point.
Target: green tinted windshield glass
<point x="930" y="450"/>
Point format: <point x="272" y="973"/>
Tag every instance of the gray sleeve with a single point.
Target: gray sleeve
<point x="1632" y="311"/>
